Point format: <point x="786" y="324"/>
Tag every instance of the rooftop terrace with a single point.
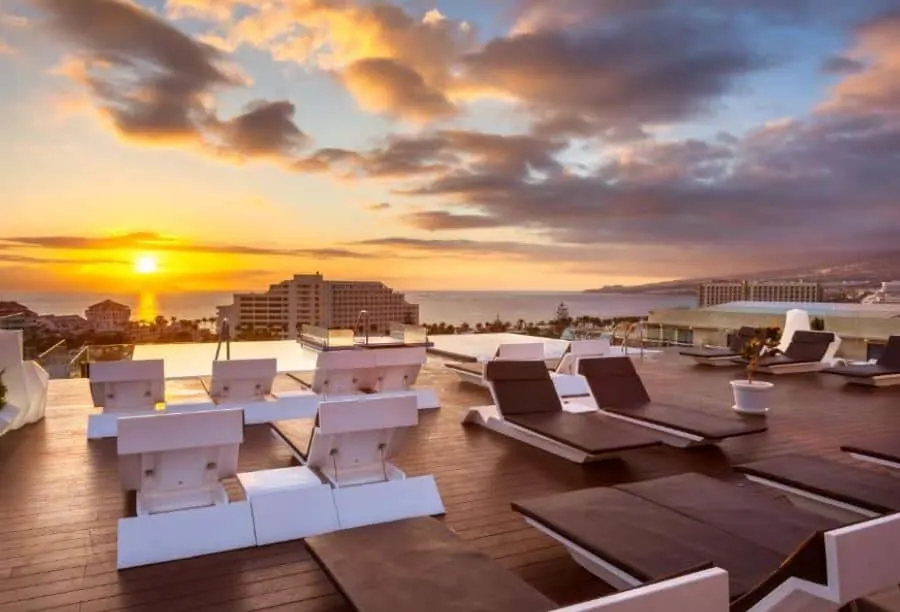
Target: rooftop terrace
<point x="61" y="494"/>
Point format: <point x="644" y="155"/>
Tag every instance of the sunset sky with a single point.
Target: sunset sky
<point x="455" y="144"/>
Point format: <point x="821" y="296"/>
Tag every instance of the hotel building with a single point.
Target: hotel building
<point x="108" y="316"/>
<point x="309" y="299"/>
<point x="722" y="292"/>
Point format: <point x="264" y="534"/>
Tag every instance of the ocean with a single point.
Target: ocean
<point x="452" y="307"/>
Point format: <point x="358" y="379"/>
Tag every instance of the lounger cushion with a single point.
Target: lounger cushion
<point x="809" y="345"/>
<point x="778" y="526"/>
<point x="522" y="387"/>
<point x="869" y="370"/>
<point x="647" y="540"/>
<point x="886" y="448"/>
<point x="890" y="357"/>
<point x="590" y="432"/>
<point x="693" y="422"/>
<point x="709" y="353"/>
<point x="418" y="565"/>
<point x="856" y="486"/>
<point x="617" y="388"/>
<point x="614" y="382"/>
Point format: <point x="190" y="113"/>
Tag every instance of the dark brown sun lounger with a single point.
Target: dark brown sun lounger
<point x="860" y="488"/>
<point x="526" y="397"/>
<point x="419" y="565"/>
<point x="806" y="347"/>
<point x="735" y="346"/>
<point x="664" y="526"/>
<point x="618" y="389"/>
<point x="886" y="367"/>
<point x="884" y="449"/>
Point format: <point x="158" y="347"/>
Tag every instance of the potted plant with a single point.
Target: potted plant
<point x="751" y="396"/>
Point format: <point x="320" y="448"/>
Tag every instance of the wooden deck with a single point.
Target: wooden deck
<point x="61" y="498"/>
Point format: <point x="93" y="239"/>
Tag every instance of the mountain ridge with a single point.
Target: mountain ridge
<point x="861" y="272"/>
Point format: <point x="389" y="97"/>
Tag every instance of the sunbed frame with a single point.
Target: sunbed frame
<point x="617" y="390"/>
<point x="527" y="408"/>
<point x="885" y="372"/>
<point x="828" y="568"/>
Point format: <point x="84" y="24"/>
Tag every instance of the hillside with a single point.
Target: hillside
<point x="867" y="271"/>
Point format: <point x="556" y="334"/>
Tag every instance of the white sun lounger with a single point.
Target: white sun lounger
<point x="124" y="388"/>
<point x="351" y="448"/>
<point x="175" y="463"/>
<point x="247" y="383"/>
<point x="386" y="372"/>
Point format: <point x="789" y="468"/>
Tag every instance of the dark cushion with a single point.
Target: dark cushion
<point x="647" y="540"/>
<point x="419" y="565"/>
<point x="614" y="382"/>
<point x="809" y="346"/>
<point x="886" y="448"/>
<point x="890" y="357"/>
<point x="867" y="370"/>
<point x="589" y="432"/>
<point x="851" y="485"/>
<point x="522" y="387"/>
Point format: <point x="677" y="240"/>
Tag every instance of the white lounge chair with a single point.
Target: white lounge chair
<point x="808" y="351"/>
<point x="247" y="383"/>
<point x="473" y="373"/>
<point x="351" y="448"/>
<point x="122" y="388"/>
<point x="175" y="463"/>
<point x="343" y="374"/>
<point x="26" y="384"/>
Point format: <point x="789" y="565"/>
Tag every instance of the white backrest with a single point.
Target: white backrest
<point x="360" y="433"/>
<point x="238" y="380"/>
<point x="398" y="367"/>
<point x="704" y="591"/>
<point x="128" y="386"/>
<point x="184" y="449"/>
<point x="794" y="320"/>
<point x="577" y="349"/>
<point x="864" y="558"/>
<point x="345" y="372"/>
<point x="521" y="351"/>
<point x="831" y="354"/>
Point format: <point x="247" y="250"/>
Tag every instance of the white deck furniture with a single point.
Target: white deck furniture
<point x="247" y="383"/>
<point x="122" y="388"/>
<point x="175" y="463"/>
<point x="351" y="449"/>
<point x="352" y="446"/>
<point x="386" y="372"/>
<point x="26" y="384"/>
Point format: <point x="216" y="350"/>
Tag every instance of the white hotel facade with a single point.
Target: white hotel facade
<point x="309" y="299"/>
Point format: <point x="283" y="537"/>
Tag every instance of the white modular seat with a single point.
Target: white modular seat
<point x="121" y="388"/>
<point x="176" y="464"/>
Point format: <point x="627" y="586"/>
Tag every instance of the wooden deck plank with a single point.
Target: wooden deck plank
<point x="61" y="494"/>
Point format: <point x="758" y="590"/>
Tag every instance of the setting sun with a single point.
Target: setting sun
<point x="145" y="264"/>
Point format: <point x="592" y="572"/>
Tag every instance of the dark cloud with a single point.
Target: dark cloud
<point x="27" y="259"/>
<point x="443" y="220"/>
<point x="618" y="72"/>
<point x="387" y="86"/>
<point x="156" y="242"/>
<point x="154" y="83"/>
<point x="265" y="129"/>
<point x="838" y="64"/>
<point x="378" y="206"/>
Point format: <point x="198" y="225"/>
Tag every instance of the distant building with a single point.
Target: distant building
<point x="889" y="293"/>
<point x="108" y="316"/>
<point x="309" y="299"/>
<point x="15" y="308"/>
<point x="64" y="324"/>
<point x="723" y="292"/>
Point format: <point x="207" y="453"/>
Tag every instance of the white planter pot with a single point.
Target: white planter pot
<point x="751" y="397"/>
